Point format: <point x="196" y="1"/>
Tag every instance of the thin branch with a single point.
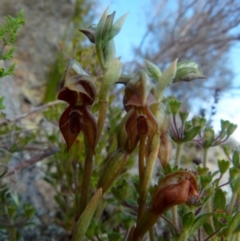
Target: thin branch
<point x="22" y="116"/>
<point x="33" y="160"/>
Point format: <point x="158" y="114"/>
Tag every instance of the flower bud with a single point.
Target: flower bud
<point x="174" y="189"/>
<point x="188" y="71"/>
<point x="165" y="149"/>
<point x="90" y="32"/>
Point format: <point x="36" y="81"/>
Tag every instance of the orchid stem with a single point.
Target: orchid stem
<point x="148" y="175"/>
<point x="178" y="154"/>
<point x="141" y="159"/>
<point x="87" y="173"/>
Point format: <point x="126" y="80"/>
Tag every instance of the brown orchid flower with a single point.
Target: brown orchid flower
<point x="137" y="100"/>
<point x="79" y="92"/>
<point x="174" y="189"/>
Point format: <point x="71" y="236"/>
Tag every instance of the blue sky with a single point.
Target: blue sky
<point x="132" y="33"/>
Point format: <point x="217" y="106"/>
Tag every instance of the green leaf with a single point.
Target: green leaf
<point x="165" y="79"/>
<point x="109" y="79"/>
<point x="1" y="103"/>
<point x="208" y="228"/>
<point x="9" y="54"/>
<point x="152" y="70"/>
<point x="234" y="223"/>
<point x="235" y="159"/>
<point x="223" y="166"/>
<point x="188" y="220"/>
<point x="84" y="220"/>
<point x="191" y="133"/>
<point x="199" y="221"/>
<point x="120" y="191"/>
<point x="219" y="200"/>
<point x="100" y="27"/>
<point x="116" y="27"/>
<point x="114" y="236"/>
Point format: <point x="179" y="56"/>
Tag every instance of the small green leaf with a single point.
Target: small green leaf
<point x="223" y="166"/>
<point x="188" y="220"/>
<point x="100" y="27"/>
<point x="152" y="70"/>
<point x="84" y="220"/>
<point x="205" y="180"/>
<point x="191" y="133"/>
<point x="114" y="236"/>
<point x="120" y="191"/>
<point x="208" y="228"/>
<point x="116" y="27"/>
<point x="235" y="159"/>
<point x="165" y="79"/>
<point x="219" y="200"/>
<point x="2" y="107"/>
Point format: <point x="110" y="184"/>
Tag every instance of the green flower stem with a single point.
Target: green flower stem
<point x="175" y="216"/>
<point x="151" y="234"/>
<point x="184" y="235"/>
<point x="178" y="154"/>
<point x="232" y="203"/>
<point x="141" y="158"/>
<point x="209" y="202"/>
<point x="12" y="234"/>
<point x="87" y="173"/>
<point x="150" y="163"/>
<point x="100" y="56"/>
<point x="175" y="208"/>
<point x="145" y="224"/>
<point x="205" y="152"/>
<point x="103" y="106"/>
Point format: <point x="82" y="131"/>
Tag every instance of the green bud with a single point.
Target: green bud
<point x="208" y="137"/>
<point x="174" y="106"/>
<point x="100" y="27"/>
<point x="114" y="166"/>
<point x="205" y="180"/>
<point x="152" y="70"/>
<point x="183" y="115"/>
<point x="227" y="150"/>
<point x="11" y="210"/>
<point x="231" y="128"/>
<point x="29" y="210"/>
<point x="223" y="166"/>
<point x="225" y="124"/>
<point x="188" y="71"/>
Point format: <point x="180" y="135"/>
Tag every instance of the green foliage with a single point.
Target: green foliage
<point x="103" y="181"/>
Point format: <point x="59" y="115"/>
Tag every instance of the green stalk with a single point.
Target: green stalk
<point x="151" y="234"/>
<point x="87" y="173"/>
<point x="205" y="151"/>
<point x="232" y="203"/>
<point x="209" y="204"/>
<point x="150" y="163"/>
<point x="175" y="208"/>
<point x="178" y="154"/>
<point x="12" y="234"/>
<point x="103" y="106"/>
<point x="184" y="235"/>
<point x="141" y="158"/>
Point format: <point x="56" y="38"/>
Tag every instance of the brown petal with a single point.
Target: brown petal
<point x="65" y="94"/>
<point x="131" y="128"/>
<point x="89" y="127"/>
<point x="170" y="196"/>
<point x="70" y="125"/>
<point x="152" y="123"/>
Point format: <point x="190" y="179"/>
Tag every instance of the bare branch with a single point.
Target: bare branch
<point x="33" y="160"/>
